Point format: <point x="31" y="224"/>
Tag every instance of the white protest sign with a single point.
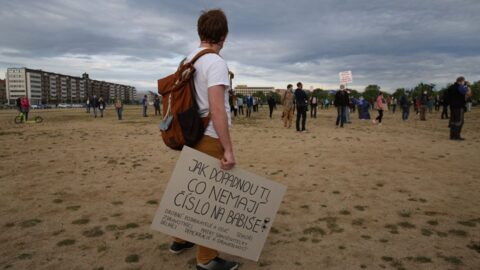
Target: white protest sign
<point x="230" y="211"/>
<point x="346" y="77"/>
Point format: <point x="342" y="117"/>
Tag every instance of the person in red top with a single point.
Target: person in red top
<point x="380" y="107"/>
<point x="25" y="106"/>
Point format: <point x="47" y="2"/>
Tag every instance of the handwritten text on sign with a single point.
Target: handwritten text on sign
<point x="346" y="77"/>
<point x="231" y="211"/>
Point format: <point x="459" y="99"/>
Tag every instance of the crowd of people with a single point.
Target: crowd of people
<point x="96" y="104"/>
<point x="297" y="101"/>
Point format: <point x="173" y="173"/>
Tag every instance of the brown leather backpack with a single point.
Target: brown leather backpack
<point x="182" y="124"/>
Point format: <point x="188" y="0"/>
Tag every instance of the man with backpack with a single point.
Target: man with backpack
<point x="456" y="95"/>
<point x="212" y="82"/>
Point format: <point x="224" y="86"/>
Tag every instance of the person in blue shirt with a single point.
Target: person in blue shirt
<point x="301" y="101"/>
<point x="249" y="105"/>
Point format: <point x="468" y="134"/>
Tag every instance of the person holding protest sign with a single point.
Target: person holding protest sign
<point x="341" y="102"/>
<point x="212" y="83"/>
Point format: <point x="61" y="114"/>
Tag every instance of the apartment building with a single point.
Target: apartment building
<point x="245" y="90"/>
<point x="3" y="92"/>
<point x="43" y="87"/>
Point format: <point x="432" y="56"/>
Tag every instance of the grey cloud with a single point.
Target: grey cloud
<point x="396" y="43"/>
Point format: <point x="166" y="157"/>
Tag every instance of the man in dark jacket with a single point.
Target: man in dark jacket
<point x="341" y="101"/>
<point x="457" y="94"/>
<point x="94" y="105"/>
<point x="424" y="99"/>
<point x="405" y="104"/>
<point x="301" y="101"/>
<point x="271" y="104"/>
<point x="444" y="103"/>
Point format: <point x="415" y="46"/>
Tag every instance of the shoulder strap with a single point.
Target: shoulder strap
<point x="200" y="54"/>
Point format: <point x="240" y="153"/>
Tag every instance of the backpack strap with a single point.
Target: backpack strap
<point x="200" y="54"/>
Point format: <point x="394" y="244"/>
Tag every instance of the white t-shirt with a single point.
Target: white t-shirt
<point x="211" y="70"/>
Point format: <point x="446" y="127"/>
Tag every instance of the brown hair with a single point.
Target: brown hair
<point x="212" y="26"/>
<point x="460" y="79"/>
<point x="299" y="84"/>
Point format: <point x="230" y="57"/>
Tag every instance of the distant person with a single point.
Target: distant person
<point x="255" y="104"/>
<point x="249" y="105"/>
<point x="437" y="103"/>
<point x="234" y="104"/>
<point x="94" y="105"/>
<point x="119" y="108"/>
<point x="145" y="105"/>
<point x="156" y="105"/>
<point x="340" y="102"/>
<point x="88" y="105"/>
<point x="301" y="101"/>
<point x="457" y="95"/>
<point x="424" y="100"/>
<point x="363" y="107"/>
<point x="469" y="104"/>
<point x="240" y="105"/>
<point x="25" y="106"/>
<point x="101" y="106"/>
<point x="430" y="104"/>
<point x="212" y="82"/>
<point x="271" y="104"/>
<point x="18" y="104"/>
<point x="380" y="106"/>
<point x="394" y="104"/>
<point x="288" y="106"/>
<point x="372" y="103"/>
<point x="417" y="105"/>
<point x="313" y="106"/>
<point x="405" y="105"/>
<point x="444" y="103"/>
<point x="347" y="107"/>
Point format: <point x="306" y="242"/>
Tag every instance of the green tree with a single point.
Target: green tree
<point x="399" y="93"/>
<point x="354" y="93"/>
<point x="277" y="97"/>
<point x="421" y="87"/>
<point x="371" y="92"/>
<point x="475" y="90"/>
<point x="260" y="95"/>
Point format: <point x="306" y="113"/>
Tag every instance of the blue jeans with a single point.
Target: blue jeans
<point x="341" y="115"/>
<point x="405" y="112"/>
<point x="119" y="113"/>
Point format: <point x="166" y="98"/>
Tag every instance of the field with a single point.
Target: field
<point x="80" y="193"/>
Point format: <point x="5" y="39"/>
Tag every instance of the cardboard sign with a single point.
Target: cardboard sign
<point x="346" y="77"/>
<point x="230" y="211"/>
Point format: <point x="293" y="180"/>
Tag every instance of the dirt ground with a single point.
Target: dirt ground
<point x="80" y="193"/>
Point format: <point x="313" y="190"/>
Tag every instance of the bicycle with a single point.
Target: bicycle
<point x="21" y="119"/>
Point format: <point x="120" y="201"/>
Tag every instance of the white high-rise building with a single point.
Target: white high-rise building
<point x="22" y="82"/>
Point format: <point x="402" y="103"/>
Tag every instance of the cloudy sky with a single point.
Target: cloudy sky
<point x="271" y="42"/>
